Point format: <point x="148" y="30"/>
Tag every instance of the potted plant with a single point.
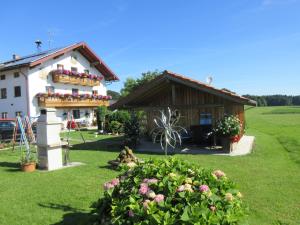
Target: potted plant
<point x="28" y="161"/>
<point x="228" y="129"/>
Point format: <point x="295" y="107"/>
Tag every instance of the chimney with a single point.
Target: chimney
<point x="16" y="57"/>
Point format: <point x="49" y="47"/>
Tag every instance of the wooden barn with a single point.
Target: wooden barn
<point x="200" y="105"/>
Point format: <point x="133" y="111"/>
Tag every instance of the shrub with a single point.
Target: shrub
<point x="169" y="191"/>
<point x="132" y="131"/>
<point x="229" y="126"/>
<point x="101" y="114"/>
<point x="115" y="127"/>
<point x="120" y="115"/>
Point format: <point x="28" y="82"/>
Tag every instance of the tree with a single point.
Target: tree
<point x="131" y="83"/>
<point x="101" y="114"/>
<point x="114" y="94"/>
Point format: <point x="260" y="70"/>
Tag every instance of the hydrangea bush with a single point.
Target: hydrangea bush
<point x="229" y="126"/>
<point x="169" y="191"/>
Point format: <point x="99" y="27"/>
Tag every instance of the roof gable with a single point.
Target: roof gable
<point x="36" y="59"/>
<point x="177" y="78"/>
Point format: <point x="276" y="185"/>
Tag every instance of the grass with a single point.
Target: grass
<point x="269" y="177"/>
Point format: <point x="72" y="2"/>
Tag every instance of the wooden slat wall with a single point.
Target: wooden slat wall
<point x="192" y="100"/>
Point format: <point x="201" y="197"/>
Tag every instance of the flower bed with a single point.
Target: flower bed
<point x="170" y="191"/>
<point x="73" y="77"/>
<point x="73" y="96"/>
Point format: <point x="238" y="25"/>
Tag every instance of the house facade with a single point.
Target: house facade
<point x="71" y="79"/>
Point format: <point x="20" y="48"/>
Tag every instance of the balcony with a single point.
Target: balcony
<point x="70" y="77"/>
<point x="68" y="101"/>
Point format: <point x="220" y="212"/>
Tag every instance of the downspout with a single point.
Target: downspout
<point x="27" y="91"/>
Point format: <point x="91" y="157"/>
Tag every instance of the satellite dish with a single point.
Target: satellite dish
<point x="209" y="80"/>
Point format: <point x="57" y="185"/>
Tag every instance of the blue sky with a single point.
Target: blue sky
<point x="248" y="46"/>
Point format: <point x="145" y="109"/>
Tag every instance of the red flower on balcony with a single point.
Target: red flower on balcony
<point x="100" y="78"/>
<point x="66" y="72"/>
<point x="40" y="95"/>
<point x="67" y="95"/>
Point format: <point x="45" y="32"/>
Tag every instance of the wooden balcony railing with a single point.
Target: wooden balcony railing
<point x="77" y="80"/>
<point x="57" y="102"/>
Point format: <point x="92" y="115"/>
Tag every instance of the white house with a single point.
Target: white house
<point x="71" y="79"/>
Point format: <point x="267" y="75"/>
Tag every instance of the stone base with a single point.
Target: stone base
<point x="71" y="164"/>
<point x="50" y="158"/>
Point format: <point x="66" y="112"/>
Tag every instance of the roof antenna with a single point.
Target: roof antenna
<point x="38" y="45"/>
<point x="209" y="80"/>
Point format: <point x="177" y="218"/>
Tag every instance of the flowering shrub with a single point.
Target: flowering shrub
<point x="169" y="191"/>
<point x="74" y="95"/>
<point x="229" y="126"/>
<point x="77" y="74"/>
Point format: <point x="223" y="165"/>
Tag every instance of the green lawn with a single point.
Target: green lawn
<point x="269" y="178"/>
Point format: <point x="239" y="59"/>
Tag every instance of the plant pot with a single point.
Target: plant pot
<point x="28" y="167"/>
<point x="226" y="144"/>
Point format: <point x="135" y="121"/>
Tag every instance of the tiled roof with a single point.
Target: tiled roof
<point x="37" y="58"/>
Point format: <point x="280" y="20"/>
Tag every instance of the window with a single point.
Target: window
<point x="205" y="119"/>
<point x="19" y="113"/>
<point x="17" y="91"/>
<point x="3" y="93"/>
<point x="95" y="92"/>
<point x="60" y="66"/>
<point x="75" y="91"/>
<point x="2" y="77"/>
<point x="76" y="113"/>
<point x="16" y="74"/>
<point x="74" y="69"/>
<point x="4" y="115"/>
<point x="86" y="71"/>
<point x="50" y="89"/>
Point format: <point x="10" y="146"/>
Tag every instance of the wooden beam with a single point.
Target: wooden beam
<point x="173" y="94"/>
<point x="207" y="90"/>
<point x="57" y="56"/>
<point x="195" y="106"/>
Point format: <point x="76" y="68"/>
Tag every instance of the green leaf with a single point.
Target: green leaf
<point x="185" y="215"/>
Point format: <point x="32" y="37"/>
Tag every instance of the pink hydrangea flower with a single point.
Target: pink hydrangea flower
<point x="150" y="181"/>
<point x="229" y="197"/>
<point x="108" y="186"/>
<point x="145" y="203"/>
<point x="181" y="188"/>
<point x="159" y="198"/>
<point x="143" y="189"/>
<point x="219" y="173"/>
<point x="151" y="194"/>
<point x="204" y="188"/>
<point x="115" y="181"/>
<point x="130" y="213"/>
<point x="212" y="208"/>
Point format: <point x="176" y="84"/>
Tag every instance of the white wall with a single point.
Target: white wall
<point x="12" y="104"/>
<point x="40" y="77"/>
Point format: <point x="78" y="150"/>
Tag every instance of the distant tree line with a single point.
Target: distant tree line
<point x="275" y="100"/>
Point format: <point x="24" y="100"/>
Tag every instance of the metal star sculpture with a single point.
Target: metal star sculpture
<point x="167" y="130"/>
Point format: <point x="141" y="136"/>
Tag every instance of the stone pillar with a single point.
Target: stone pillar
<point x="48" y="140"/>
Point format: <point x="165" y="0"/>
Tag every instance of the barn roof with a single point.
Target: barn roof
<point x="38" y="58"/>
<point x="150" y="88"/>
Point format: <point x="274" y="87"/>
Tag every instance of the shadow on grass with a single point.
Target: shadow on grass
<point x="73" y="217"/>
<point x="112" y="144"/>
<point x="11" y="166"/>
